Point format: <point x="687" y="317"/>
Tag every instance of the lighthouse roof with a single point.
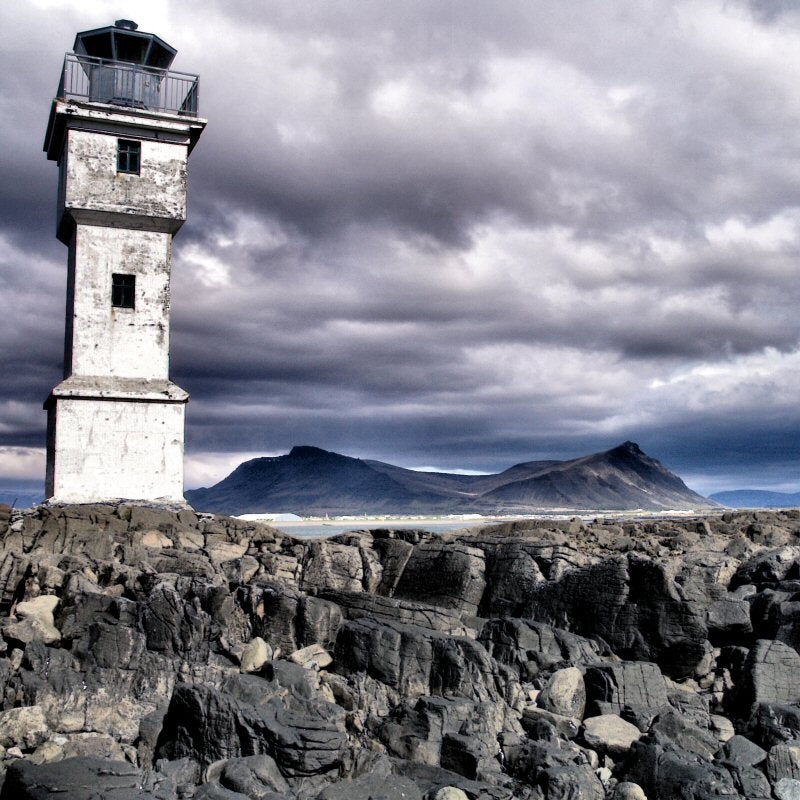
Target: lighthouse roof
<point x="123" y="42"/>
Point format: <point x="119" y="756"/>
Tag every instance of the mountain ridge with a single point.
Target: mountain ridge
<point x="756" y="498"/>
<point x="313" y="482"/>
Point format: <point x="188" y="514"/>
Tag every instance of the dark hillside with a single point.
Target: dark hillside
<point x="314" y="482"/>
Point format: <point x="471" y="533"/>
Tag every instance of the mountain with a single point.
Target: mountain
<point x="315" y="482"/>
<point x="622" y="478"/>
<point x="307" y="481"/>
<point x="757" y="498"/>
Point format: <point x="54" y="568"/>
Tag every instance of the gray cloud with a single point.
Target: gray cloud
<point x="453" y="233"/>
<point x="772" y="10"/>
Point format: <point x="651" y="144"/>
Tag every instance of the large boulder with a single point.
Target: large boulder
<point x="75" y="778"/>
<point x="610" y="734"/>
<point x="393" y="554"/>
<point x="175" y="626"/>
<point x="512" y="573"/>
<point x="332" y="565"/>
<point x="768" y="567"/>
<point x="454" y="733"/>
<point x="728" y="619"/>
<point x="634" y="603"/>
<point x="254" y="716"/>
<point x="666" y="773"/>
<point x="769" y="675"/>
<point x="783" y="761"/>
<point x="560" y="770"/>
<point x="416" y="661"/>
<point x="253" y="776"/>
<point x="564" y="693"/>
<point x="34" y="621"/>
<point x="24" y="727"/>
<point x="636" y="686"/>
<point x="787" y="789"/>
<point x="530" y="648"/>
<point x="445" y="574"/>
<point x="773" y="723"/>
<point x="672" y="727"/>
<point x="367" y="787"/>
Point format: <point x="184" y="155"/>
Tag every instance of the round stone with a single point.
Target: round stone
<point x="628" y="791"/>
<point x="787" y="789"/>
<point x="610" y="734"/>
<point x="564" y="693"/>
<point x="450" y="793"/>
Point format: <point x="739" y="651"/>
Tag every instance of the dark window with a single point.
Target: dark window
<point x="123" y="290"/>
<point x="129" y="156"/>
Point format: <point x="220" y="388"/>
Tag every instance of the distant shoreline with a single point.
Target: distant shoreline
<point x="310" y="527"/>
<point x="480" y="519"/>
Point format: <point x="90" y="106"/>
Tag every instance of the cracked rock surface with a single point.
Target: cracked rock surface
<point x="159" y="654"/>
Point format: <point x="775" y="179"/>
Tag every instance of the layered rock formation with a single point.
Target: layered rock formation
<point x="166" y="655"/>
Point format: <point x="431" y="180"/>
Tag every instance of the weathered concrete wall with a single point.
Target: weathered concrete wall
<point x="125" y="342"/>
<point x="89" y="172"/>
<point x="115" y="425"/>
<point x="107" y="449"/>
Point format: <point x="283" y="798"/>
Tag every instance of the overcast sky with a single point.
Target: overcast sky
<point x="450" y="233"/>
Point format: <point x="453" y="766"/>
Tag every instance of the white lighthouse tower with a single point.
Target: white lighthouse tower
<point x="121" y="129"/>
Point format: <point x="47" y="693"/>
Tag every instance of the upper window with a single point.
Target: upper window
<point x="123" y="290"/>
<point x="129" y="156"/>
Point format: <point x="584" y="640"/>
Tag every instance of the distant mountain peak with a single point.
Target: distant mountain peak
<point x="630" y="447"/>
<point x="311" y="481"/>
<point x="308" y="451"/>
<point x="626" y="450"/>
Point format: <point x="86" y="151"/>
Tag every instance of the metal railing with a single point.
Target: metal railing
<point x="119" y="83"/>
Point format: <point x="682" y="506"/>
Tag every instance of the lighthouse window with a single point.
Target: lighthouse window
<point x="123" y="290"/>
<point x="129" y="156"/>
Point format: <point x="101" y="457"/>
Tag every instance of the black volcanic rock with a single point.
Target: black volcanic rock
<point x="148" y="653"/>
<point x="313" y="482"/>
<point x="75" y="778"/>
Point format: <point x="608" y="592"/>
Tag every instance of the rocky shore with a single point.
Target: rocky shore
<point x="153" y="654"/>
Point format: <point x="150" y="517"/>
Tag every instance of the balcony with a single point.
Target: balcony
<point x="120" y="83"/>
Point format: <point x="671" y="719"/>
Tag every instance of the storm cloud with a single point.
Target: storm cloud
<point x="452" y="234"/>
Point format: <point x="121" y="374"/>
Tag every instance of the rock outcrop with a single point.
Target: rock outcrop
<point x="157" y="654"/>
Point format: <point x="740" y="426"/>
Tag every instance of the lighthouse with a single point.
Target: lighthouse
<point x="121" y="129"/>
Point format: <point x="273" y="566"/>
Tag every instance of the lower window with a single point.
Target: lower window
<point x="123" y="290"/>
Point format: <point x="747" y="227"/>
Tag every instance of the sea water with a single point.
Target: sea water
<point x="318" y="530"/>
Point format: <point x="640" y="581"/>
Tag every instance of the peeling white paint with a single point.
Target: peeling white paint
<point x="127" y="342"/>
<point x="116" y="423"/>
<point x="92" y="183"/>
<point x="110" y="449"/>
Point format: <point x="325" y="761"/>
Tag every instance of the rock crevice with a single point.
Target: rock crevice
<point x="150" y="653"/>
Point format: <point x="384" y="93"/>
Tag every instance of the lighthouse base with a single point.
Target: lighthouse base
<point x="122" y="440"/>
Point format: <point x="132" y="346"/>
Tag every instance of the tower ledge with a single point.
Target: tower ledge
<point x="112" y="388"/>
<point x="106" y="117"/>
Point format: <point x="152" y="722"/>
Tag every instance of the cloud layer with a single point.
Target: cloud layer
<point x="454" y="233"/>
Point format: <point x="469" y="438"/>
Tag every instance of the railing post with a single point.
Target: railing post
<point x="60" y="92"/>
